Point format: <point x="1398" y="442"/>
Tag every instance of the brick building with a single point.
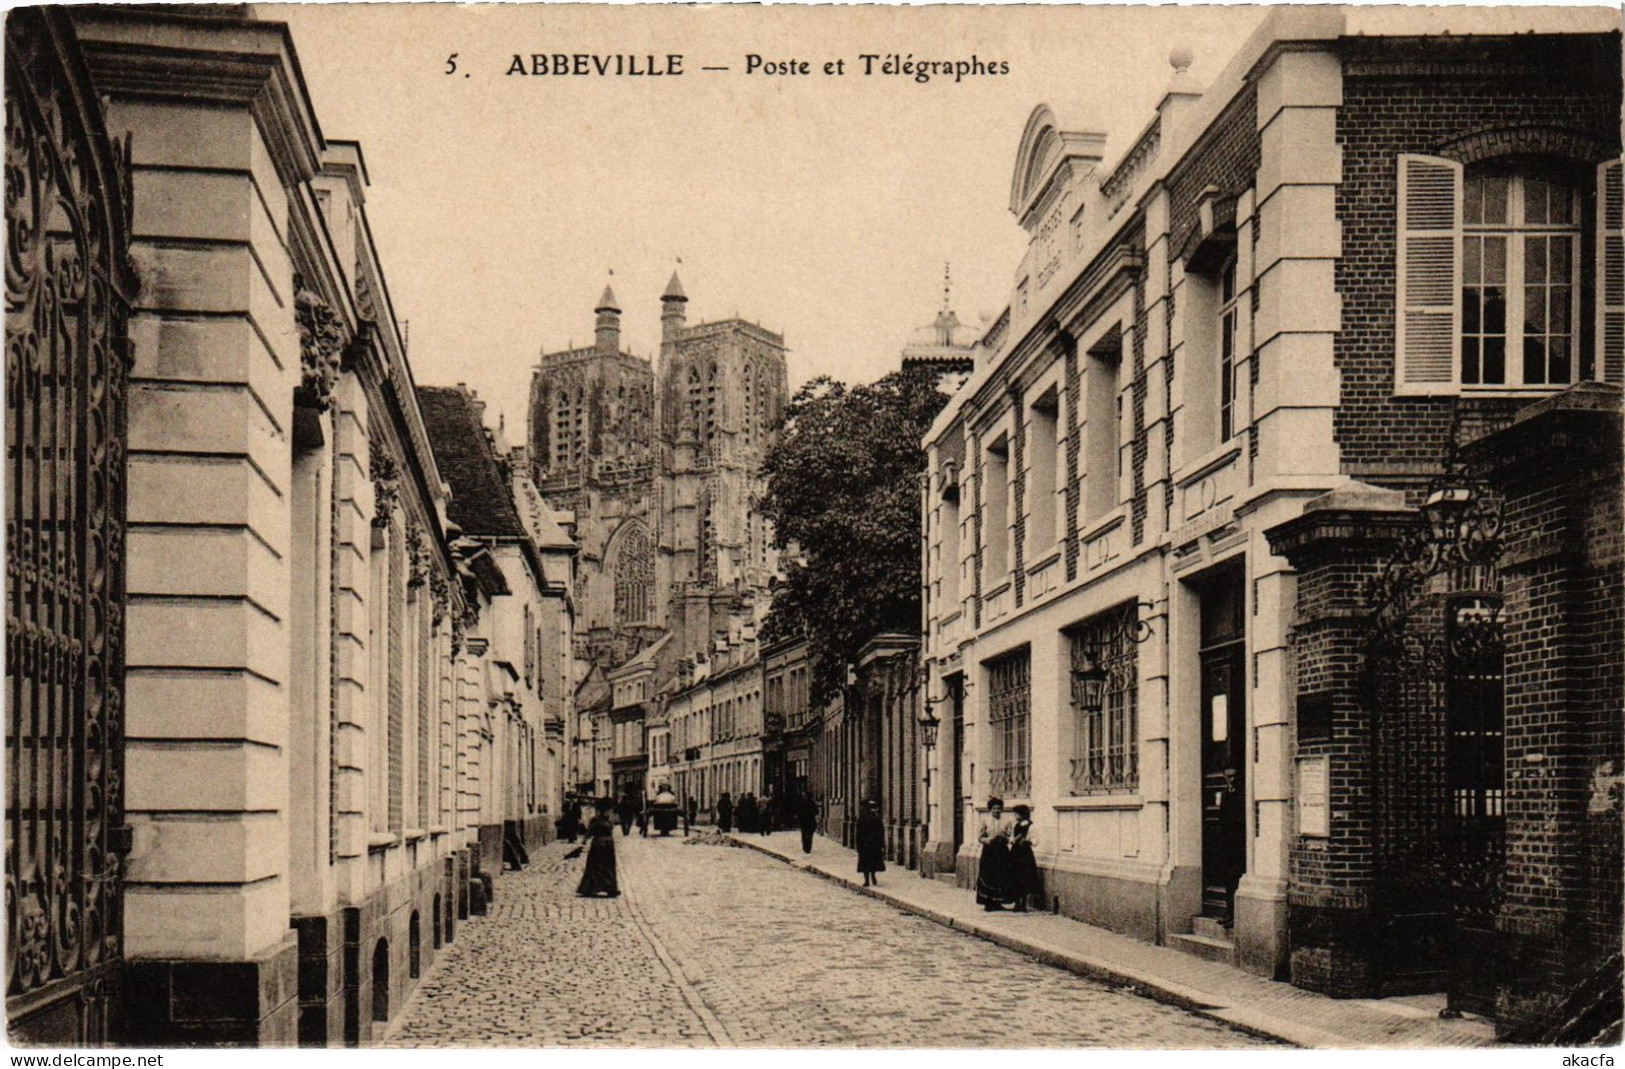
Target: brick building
<point x="279" y="697"/>
<point x="1160" y="513"/>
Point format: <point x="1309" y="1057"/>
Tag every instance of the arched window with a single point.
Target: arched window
<point x="633" y="568"/>
<point x="696" y="395"/>
<point x="712" y="406"/>
<point x="748" y="423"/>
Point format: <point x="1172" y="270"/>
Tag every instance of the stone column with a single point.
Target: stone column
<point x="1336" y="546"/>
<point x="223" y="139"/>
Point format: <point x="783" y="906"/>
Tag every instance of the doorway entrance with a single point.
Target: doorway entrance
<point x="1223" y="656"/>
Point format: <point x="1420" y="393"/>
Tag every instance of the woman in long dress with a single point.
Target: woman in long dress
<point x="871" y="844"/>
<point x="598" y="878"/>
<point x="993" y="871"/>
<point x="1025" y="879"/>
<point x="725" y="812"/>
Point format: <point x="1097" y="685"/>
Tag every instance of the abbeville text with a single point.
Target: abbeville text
<point x="584" y="64"/>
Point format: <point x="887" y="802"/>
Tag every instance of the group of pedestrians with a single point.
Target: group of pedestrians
<point x="1007" y="875"/>
<point x="749" y="815"/>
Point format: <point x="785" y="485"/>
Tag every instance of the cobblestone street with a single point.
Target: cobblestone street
<point x="712" y="946"/>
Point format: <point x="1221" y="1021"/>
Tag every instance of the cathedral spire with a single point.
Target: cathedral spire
<point x="672" y="313"/>
<point x="608" y="326"/>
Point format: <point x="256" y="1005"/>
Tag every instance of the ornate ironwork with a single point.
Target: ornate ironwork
<point x="1433" y="655"/>
<point x="322" y="339"/>
<point x="68" y="286"/>
<point x="1105" y="700"/>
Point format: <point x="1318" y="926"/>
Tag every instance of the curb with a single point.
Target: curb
<point x="1167" y="992"/>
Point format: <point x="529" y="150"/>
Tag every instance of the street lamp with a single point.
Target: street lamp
<point x="929" y="723"/>
<point x="1089" y="685"/>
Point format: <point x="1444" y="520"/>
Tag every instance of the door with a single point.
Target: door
<point x="67" y="284"/>
<point x="1224" y="750"/>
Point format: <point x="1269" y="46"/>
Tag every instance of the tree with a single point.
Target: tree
<point x="843" y="489"/>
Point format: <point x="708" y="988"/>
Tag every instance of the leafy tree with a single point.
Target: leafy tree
<point x="843" y="489"/>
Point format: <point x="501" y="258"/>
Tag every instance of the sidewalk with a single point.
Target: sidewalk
<point x="1221" y="992"/>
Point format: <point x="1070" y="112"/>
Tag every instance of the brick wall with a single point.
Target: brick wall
<point x="1461" y="98"/>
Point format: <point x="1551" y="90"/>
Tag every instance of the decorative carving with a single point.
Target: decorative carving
<point x="439" y="596"/>
<point x="322" y="340"/>
<point x="364" y="304"/>
<point x="417" y="554"/>
<point x="386" y="486"/>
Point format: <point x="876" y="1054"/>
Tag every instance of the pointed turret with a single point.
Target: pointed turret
<point x="608" y="327"/>
<point x="672" y="312"/>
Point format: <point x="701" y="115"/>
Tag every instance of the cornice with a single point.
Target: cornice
<point x="229" y="62"/>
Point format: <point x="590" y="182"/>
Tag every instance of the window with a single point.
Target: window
<point x="1105" y="742"/>
<point x="995" y="512"/>
<point x="1102" y="430"/>
<point x="1229" y="316"/>
<point x="634" y="576"/>
<point x="1009" y="695"/>
<point x="1491" y="271"/>
<point x="1042" y="431"/>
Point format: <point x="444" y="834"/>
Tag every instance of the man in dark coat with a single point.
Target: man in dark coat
<point x="871" y="845"/>
<point x="628" y="812"/>
<point x="725" y="813"/>
<point x="806" y="819"/>
<point x="747" y="813"/>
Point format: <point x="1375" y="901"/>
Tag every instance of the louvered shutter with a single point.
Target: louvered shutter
<point x="1427" y="320"/>
<point x="1610" y="275"/>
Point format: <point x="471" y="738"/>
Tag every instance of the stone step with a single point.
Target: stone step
<point x="1205" y="947"/>
<point x="1209" y="928"/>
<point x="950" y="878"/>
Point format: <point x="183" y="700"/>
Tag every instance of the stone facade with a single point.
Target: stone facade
<point x="309" y="762"/>
<point x="1146" y="554"/>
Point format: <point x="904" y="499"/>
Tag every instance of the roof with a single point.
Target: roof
<point x="608" y="303"/>
<point x="674" y="290"/>
<point x="481" y="503"/>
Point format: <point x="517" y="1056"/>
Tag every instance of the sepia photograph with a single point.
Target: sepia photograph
<point x="675" y="528"/>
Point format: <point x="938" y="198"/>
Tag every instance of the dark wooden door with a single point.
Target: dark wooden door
<point x="1224" y="750"/>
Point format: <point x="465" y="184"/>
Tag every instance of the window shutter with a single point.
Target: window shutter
<point x="1427" y="320"/>
<point x="1610" y="275"/>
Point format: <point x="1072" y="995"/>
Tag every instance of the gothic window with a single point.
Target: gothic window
<point x="748" y="424"/>
<point x="712" y="405"/>
<point x="708" y="541"/>
<point x="695" y="403"/>
<point x="634" y="576"/>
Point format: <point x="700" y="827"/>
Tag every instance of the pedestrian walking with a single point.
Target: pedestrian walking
<point x="628" y="812"/>
<point x="598" y="876"/>
<point x="572" y="819"/>
<point x="725" y="813"/>
<point x="993" y="870"/>
<point x="691" y="813"/>
<point x="806" y="820"/>
<point x="871" y="844"/>
<point x="747" y="813"/>
<point x="1025" y="879"/>
<point x="770" y="814"/>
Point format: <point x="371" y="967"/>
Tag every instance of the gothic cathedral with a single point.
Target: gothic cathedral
<point x="659" y="470"/>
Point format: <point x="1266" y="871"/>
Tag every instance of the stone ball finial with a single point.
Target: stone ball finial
<point x="1180" y="59"/>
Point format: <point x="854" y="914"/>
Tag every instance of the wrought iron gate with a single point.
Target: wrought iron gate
<point x="68" y="281"/>
<point x="1434" y="671"/>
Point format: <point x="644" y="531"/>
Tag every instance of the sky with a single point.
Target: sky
<point x="824" y="207"/>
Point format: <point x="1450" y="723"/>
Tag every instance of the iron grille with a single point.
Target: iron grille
<point x="67" y="357"/>
<point x="1010" y="716"/>
<point x="1105" y="747"/>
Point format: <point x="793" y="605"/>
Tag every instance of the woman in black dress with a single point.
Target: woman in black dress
<point x="993" y="870"/>
<point x="1025" y="880"/>
<point x="725" y="813"/>
<point x="598" y="878"/>
<point x="871" y="844"/>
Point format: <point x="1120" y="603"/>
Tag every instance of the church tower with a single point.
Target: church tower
<point x="721" y="392"/>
